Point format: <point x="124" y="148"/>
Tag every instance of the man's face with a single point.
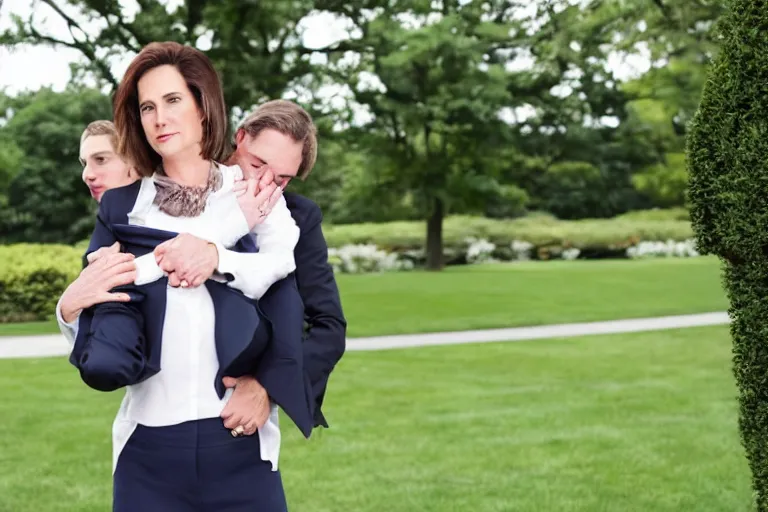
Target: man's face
<point x="102" y="168"/>
<point x="272" y="150"/>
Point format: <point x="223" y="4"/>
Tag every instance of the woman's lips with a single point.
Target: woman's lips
<point x="164" y="138"/>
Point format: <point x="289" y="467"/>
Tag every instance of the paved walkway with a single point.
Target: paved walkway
<point x="56" y="345"/>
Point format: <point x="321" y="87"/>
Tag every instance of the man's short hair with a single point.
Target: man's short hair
<point x="289" y="119"/>
<point x="101" y="127"/>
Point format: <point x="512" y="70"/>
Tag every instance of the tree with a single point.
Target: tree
<point x="10" y="162"/>
<point x="727" y="148"/>
<point x="46" y="199"/>
<point x="631" y="132"/>
<point x="575" y="149"/>
<point x="678" y="39"/>
<point x="425" y="75"/>
<point x="681" y="42"/>
<point x="257" y="47"/>
<point x="664" y="183"/>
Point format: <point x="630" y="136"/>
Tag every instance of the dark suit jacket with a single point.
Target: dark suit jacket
<point x="325" y="338"/>
<point x="119" y="344"/>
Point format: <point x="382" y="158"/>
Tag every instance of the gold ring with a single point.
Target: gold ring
<point x="237" y="431"/>
<point x="184" y="283"/>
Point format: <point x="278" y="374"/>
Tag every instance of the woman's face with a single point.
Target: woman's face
<point x="170" y="116"/>
<point x="102" y="168"/>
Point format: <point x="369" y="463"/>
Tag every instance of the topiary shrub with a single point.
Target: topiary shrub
<point x="33" y="277"/>
<point x="727" y="150"/>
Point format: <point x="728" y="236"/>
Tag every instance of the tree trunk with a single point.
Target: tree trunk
<point x="435" y="236"/>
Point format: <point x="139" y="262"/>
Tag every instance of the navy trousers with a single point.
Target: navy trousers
<point x="195" y="466"/>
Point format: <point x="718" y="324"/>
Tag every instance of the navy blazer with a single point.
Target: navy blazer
<point x="262" y="338"/>
<point x="325" y="338"/>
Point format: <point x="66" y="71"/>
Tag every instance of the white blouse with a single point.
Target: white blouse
<point x="183" y="389"/>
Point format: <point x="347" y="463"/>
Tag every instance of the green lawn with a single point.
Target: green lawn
<point x="642" y="422"/>
<point x="29" y="329"/>
<point x="509" y="295"/>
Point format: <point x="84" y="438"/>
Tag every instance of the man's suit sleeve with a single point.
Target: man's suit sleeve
<point x="101" y="237"/>
<point x="108" y="344"/>
<point x="325" y="339"/>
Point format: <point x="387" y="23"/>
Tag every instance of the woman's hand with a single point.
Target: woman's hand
<point x="107" y="268"/>
<point x="257" y="198"/>
<point x="188" y="260"/>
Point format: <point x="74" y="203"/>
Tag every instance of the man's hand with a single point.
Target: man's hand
<point x="103" y="251"/>
<point x="107" y="268"/>
<point x="257" y="198"/>
<point x="188" y="260"/>
<point x="248" y="406"/>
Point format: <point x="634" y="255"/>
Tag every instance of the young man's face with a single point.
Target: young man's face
<point x="102" y="168"/>
<point x="269" y="149"/>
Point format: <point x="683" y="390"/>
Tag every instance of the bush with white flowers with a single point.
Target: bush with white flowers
<point x="479" y="250"/>
<point x="358" y="259"/>
<point x="521" y="250"/>
<point x="668" y="249"/>
<point x="571" y="253"/>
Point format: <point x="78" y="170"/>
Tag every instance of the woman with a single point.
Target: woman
<point x="171" y="450"/>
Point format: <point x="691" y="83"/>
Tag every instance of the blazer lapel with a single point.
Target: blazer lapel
<point x="241" y="334"/>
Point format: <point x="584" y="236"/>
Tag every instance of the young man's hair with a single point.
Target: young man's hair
<point x="101" y="127"/>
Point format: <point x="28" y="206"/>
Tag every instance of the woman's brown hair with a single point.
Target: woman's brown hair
<point x="203" y="82"/>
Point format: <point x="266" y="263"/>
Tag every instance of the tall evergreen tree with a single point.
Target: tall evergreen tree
<point x="728" y="166"/>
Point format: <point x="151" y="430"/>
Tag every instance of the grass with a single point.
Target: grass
<point x="535" y="293"/>
<point x="29" y="328"/>
<point x="509" y="295"/>
<point x="638" y="422"/>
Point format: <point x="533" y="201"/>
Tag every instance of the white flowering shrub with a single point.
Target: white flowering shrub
<point x="358" y="259"/>
<point x="521" y="250"/>
<point x="668" y="249"/>
<point x="571" y="253"/>
<point x="479" y="250"/>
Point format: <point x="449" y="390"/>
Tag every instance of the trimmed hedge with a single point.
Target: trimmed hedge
<point x="728" y="168"/>
<point x="33" y="277"/>
<point x="597" y="237"/>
